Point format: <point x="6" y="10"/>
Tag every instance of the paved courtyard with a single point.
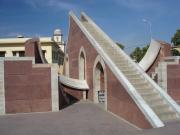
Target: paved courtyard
<point x="82" y="118"/>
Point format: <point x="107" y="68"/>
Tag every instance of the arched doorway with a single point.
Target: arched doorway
<point x="82" y="69"/>
<point x="99" y="83"/>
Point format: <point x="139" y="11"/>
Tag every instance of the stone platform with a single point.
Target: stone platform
<point x="82" y="118"/>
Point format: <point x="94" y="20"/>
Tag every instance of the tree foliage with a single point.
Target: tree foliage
<point x="175" y="52"/>
<point x="139" y="53"/>
<point x="176" y="38"/>
<point x="176" y="41"/>
<point x="120" y="45"/>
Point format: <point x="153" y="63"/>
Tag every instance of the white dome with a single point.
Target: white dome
<point x="57" y="32"/>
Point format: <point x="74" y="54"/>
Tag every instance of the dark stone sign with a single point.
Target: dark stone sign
<point x="101" y="96"/>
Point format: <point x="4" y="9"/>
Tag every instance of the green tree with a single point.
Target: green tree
<point x="120" y="45"/>
<point x="175" y="52"/>
<point x="139" y="53"/>
<point x="176" y="41"/>
<point x="144" y="50"/>
<point x="176" y="38"/>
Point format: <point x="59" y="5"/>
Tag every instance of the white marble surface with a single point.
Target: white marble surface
<point x="74" y="83"/>
<point x="54" y="87"/>
<point x="150" y="55"/>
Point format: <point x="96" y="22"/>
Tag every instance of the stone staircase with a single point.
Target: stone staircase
<point x="147" y="91"/>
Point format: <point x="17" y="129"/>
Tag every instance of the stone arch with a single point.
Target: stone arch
<point x="99" y="81"/>
<point x="67" y="65"/>
<point x="82" y="68"/>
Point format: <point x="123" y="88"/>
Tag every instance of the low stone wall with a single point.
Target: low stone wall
<point x="28" y="87"/>
<point x="168" y="77"/>
<point x="173" y="81"/>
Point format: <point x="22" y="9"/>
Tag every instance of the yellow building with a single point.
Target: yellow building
<point x="52" y="47"/>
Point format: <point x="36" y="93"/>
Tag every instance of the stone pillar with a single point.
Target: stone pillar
<point x="8" y="54"/>
<point x="2" y="91"/>
<point x="54" y="87"/>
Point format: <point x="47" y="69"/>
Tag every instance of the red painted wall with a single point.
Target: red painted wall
<point x="27" y="88"/>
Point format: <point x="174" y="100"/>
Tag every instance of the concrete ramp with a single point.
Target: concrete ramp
<point x="156" y="105"/>
<point x="150" y="55"/>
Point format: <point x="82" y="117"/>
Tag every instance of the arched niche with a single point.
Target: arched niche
<point x="67" y="65"/>
<point x="82" y="68"/>
<point x="100" y="82"/>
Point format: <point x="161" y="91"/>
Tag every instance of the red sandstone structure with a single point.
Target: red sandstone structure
<point x="163" y="67"/>
<point x="156" y="53"/>
<point x="96" y="70"/>
<point x="115" y="81"/>
<point x="26" y="85"/>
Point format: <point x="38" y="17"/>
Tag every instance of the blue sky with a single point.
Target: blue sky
<point x="120" y="19"/>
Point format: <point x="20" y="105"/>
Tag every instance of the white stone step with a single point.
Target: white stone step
<point x="122" y="67"/>
<point x="168" y="116"/>
<point x="120" y="62"/>
<point x="129" y="71"/>
<point x="147" y="89"/>
<point x="132" y="75"/>
<point x="136" y="80"/>
<point x="149" y="93"/>
<point x="117" y="59"/>
<point x="116" y="56"/>
<point x="160" y="108"/>
<point x="154" y="101"/>
<point x="139" y="84"/>
<point x="144" y="90"/>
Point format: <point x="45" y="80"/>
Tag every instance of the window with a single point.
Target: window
<point x="18" y="53"/>
<point x="21" y="53"/>
<point x="2" y="53"/>
<point x="14" y="53"/>
<point x="53" y="55"/>
<point x="44" y="52"/>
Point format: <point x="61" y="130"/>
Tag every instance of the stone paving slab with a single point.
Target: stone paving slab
<point x="82" y="118"/>
<point x="172" y="128"/>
